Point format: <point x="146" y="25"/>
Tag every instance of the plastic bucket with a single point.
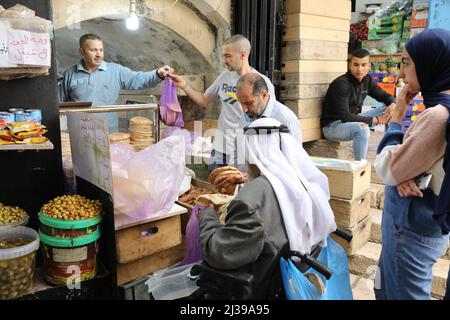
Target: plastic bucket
<point x="18" y="248"/>
<point x="69" y="248"/>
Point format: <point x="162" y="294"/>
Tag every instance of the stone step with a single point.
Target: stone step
<point x="375" y="230"/>
<point x="329" y="149"/>
<point x="362" y="288"/>
<point x="376" y="195"/>
<point x="364" y="263"/>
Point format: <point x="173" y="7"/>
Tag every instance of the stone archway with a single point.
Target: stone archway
<point x="193" y="20"/>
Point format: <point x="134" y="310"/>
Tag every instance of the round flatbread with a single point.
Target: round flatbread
<point x="218" y="171"/>
<point x="141" y="121"/>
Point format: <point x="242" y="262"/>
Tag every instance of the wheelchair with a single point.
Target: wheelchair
<point x="215" y="284"/>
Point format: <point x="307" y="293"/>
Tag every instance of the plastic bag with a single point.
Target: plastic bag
<point x="146" y="183"/>
<point x="169" y="107"/>
<point x="298" y="287"/>
<point x="193" y="248"/>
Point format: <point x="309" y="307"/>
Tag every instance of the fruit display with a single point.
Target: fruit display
<point x="11" y="215"/>
<point x="360" y="30"/>
<point x="72" y="207"/>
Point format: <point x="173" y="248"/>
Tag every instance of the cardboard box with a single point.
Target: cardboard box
<point x="384" y="78"/>
<point x="421" y="4"/>
<point x="347" y="179"/>
<point x="145" y="239"/>
<point x="360" y="233"/>
<point x="415" y="31"/>
<point x="419" y="19"/>
<point x="348" y="213"/>
<point x="388" y="87"/>
<point x="383" y="34"/>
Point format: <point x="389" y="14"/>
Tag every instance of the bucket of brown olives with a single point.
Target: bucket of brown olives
<point x="18" y="248"/>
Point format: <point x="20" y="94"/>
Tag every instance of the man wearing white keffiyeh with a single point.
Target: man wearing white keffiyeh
<point x="302" y="190"/>
<point x="284" y="208"/>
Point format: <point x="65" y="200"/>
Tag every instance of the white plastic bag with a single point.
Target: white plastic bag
<point x="146" y="183"/>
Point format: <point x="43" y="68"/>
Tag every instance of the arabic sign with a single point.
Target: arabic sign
<point x="90" y="148"/>
<point x="30" y="48"/>
<point x="4" y="52"/>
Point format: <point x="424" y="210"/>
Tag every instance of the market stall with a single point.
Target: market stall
<point x="384" y="34"/>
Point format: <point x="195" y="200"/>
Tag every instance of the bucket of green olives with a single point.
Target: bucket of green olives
<point x="12" y="217"/>
<point x="18" y="248"/>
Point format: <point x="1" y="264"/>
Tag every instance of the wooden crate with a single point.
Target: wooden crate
<point x="315" y="21"/>
<point x="303" y="91"/>
<point x="299" y="66"/>
<point x="337" y="8"/>
<point x="146" y="239"/>
<point x="348" y="213"/>
<point x="311" y="134"/>
<point x="360" y="233"/>
<point x="307" y="78"/>
<point x="136" y="269"/>
<point x="347" y="184"/>
<point x="296" y="33"/>
<point x="305" y="108"/>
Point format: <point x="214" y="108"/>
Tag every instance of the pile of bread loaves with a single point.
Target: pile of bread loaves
<point x="226" y="179"/>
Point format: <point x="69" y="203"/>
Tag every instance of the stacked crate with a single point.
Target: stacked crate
<point x="415" y="108"/>
<point x="349" y="183"/>
<point x="314" y="53"/>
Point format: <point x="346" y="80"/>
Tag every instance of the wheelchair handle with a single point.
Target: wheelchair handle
<point x="313" y="263"/>
<point x="343" y="234"/>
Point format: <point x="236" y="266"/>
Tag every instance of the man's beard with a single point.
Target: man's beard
<point x="258" y="113"/>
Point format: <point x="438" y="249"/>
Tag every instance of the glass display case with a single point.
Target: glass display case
<point x="136" y="124"/>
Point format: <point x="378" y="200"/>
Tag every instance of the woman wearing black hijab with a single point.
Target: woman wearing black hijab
<point x="416" y="222"/>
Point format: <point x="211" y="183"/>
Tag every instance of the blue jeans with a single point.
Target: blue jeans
<point x="359" y="132"/>
<point x="406" y="262"/>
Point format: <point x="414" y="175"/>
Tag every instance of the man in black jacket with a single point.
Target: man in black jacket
<point x="341" y="114"/>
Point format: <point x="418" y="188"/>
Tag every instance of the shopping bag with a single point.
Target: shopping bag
<point x="298" y="287"/>
<point x="169" y="107"/>
<point x="146" y="183"/>
<point x="193" y="248"/>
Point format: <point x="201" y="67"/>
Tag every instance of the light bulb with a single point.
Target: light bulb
<point x="132" y="21"/>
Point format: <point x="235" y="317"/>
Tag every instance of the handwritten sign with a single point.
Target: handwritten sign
<point x="4" y="52"/>
<point x="29" y="48"/>
<point x="90" y="148"/>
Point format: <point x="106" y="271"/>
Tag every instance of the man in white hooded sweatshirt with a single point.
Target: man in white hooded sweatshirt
<point x="285" y="208"/>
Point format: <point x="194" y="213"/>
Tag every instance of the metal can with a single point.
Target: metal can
<point x="21" y="116"/>
<point x="35" y="115"/>
<point x="14" y="110"/>
<point x="6" y="117"/>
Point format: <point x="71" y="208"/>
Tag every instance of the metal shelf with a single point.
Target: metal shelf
<point x="24" y="147"/>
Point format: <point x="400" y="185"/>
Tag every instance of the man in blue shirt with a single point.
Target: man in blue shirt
<point x="100" y="82"/>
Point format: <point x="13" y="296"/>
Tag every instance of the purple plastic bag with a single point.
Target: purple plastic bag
<point x="169" y="107"/>
<point x="193" y="248"/>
